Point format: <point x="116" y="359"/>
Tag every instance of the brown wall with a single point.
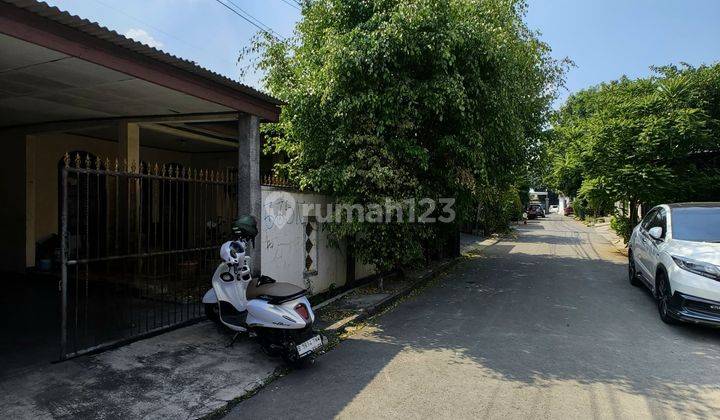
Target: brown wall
<point x="215" y="160"/>
<point x="49" y="150"/>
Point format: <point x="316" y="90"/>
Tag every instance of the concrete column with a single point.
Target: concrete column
<point x="249" y="193"/>
<point x="30" y="147"/>
<point x="129" y="142"/>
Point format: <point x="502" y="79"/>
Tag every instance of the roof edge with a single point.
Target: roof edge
<point x="40" y="24"/>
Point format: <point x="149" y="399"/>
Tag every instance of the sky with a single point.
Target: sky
<point x="608" y="38"/>
<point x="604" y="38"/>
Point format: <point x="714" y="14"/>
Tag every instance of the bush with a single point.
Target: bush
<point x="595" y="197"/>
<point x="498" y="208"/>
<point x="622" y="226"/>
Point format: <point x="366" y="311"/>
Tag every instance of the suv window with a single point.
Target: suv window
<point x="648" y="218"/>
<point x="698" y="224"/>
<point x="659" y="219"/>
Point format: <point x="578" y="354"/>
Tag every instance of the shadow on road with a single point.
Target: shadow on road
<point x="517" y="315"/>
<point x="533" y="225"/>
<point x="552" y="239"/>
<point x="525" y="323"/>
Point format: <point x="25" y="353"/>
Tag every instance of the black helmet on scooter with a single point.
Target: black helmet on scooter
<point x="245" y="227"/>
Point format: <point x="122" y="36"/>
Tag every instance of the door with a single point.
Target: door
<point x="651" y="253"/>
<point x="642" y="244"/>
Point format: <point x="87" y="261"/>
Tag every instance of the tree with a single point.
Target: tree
<point x="405" y="100"/>
<point x="643" y="141"/>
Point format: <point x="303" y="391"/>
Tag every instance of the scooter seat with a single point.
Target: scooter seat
<point x="273" y="291"/>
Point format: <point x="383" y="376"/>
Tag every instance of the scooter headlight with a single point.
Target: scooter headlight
<point x="302" y="310"/>
<point x="698" y="267"/>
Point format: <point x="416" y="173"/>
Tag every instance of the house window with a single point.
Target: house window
<point x="310" y="227"/>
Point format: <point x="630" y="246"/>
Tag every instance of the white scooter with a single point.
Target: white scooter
<point x="278" y="314"/>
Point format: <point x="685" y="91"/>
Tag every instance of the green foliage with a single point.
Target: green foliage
<point x="622" y="226"/>
<point x="593" y="199"/>
<point x="644" y="141"/>
<point x="497" y="207"/>
<point x="407" y="99"/>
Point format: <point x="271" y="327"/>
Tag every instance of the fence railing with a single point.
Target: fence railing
<point x="272" y="180"/>
<point x="138" y="246"/>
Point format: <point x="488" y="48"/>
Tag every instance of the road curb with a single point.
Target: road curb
<point x="340" y="326"/>
<point x="365" y="313"/>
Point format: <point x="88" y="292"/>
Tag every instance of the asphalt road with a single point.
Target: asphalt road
<point x="544" y="325"/>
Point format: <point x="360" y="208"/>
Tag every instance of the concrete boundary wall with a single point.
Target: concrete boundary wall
<point x="285" y="246"/>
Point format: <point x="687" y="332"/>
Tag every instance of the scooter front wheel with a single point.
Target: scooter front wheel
<point x="212" y="311"/>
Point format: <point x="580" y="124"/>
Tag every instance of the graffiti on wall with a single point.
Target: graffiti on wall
<point x="280" y="209"/>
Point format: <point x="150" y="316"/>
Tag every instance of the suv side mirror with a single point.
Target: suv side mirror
<point x="656" y="233"/>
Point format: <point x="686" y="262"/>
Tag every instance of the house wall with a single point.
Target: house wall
<point x="49" y="150"/>
<point x="219" y="160"/>
<point x="284" y="251"/>
<point x="12" y="211"/>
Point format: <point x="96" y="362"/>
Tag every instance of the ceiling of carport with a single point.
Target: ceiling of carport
<point x="41" y="85"/>
<point x="155" y="139"/>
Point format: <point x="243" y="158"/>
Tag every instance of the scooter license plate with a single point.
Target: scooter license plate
<point x="308" y="346"/>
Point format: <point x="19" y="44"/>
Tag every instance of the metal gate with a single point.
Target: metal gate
<point x="138" y="247"/>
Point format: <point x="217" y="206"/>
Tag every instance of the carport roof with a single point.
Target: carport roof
<point x="39" y="23"/>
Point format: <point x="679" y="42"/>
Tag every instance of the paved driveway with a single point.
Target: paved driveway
<point x="542" y="325"/>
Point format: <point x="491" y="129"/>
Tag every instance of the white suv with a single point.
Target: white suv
<point x="675" y="252"/>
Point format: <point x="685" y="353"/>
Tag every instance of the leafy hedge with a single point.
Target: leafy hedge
<point x="407" y="99"/>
